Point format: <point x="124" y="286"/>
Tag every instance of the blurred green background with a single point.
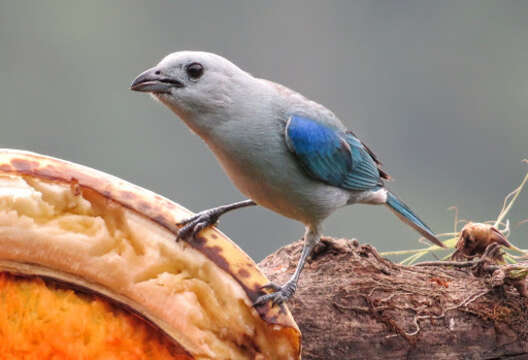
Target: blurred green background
<point x="439" y="90"/>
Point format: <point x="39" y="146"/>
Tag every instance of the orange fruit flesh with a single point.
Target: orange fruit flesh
<point x="40" y="320"/>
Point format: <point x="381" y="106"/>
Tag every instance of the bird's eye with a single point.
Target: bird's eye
<point x="194" y="70"/>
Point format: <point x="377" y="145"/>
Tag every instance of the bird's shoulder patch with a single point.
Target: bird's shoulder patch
<point x="307" y="135"/>
<point x="322" y="151"/>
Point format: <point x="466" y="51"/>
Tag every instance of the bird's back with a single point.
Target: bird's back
<point x="293" y="103"/>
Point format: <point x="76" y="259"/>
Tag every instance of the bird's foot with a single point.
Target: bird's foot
<point x="192" y="226"/>
<point x="280" y="294"/>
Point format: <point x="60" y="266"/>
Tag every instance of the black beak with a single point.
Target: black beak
<point x="153" y="81"/>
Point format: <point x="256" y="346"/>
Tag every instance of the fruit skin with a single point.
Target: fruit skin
<point x="103" y="190"/>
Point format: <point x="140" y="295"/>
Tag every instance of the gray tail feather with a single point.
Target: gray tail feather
<point x="405" y="214"/>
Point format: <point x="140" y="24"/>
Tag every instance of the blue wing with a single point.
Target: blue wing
<point x="333" y="156"/>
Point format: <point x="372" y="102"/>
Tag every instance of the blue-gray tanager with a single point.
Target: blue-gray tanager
<point x="283" y="151"/>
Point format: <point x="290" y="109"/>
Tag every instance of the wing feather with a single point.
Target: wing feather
<point x="332" y="156"/>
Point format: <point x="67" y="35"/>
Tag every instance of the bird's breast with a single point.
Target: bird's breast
<point x="258" y="162"/>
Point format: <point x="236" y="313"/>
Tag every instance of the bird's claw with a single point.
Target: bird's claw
<point x="271" y="286"/>
<point x="280" y="294"/>
<point x="192" y="226"/>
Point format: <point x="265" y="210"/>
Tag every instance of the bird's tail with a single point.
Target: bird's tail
<point x="407" y="216"/>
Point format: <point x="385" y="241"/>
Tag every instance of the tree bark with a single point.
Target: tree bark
<point x="352" y="304"/>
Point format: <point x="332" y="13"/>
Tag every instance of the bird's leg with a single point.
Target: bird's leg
<point x="203" y="219"/>
<point x="284" y="292"/>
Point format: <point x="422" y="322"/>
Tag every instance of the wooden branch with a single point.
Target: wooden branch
<point x="353" y="304"/>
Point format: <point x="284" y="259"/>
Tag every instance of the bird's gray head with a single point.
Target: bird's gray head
<point x="193" y="82"/>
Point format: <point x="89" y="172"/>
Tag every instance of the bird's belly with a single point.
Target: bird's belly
<point x="274" y="181"/>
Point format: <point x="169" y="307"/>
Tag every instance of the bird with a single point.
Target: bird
<point x="283" y="151"/>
